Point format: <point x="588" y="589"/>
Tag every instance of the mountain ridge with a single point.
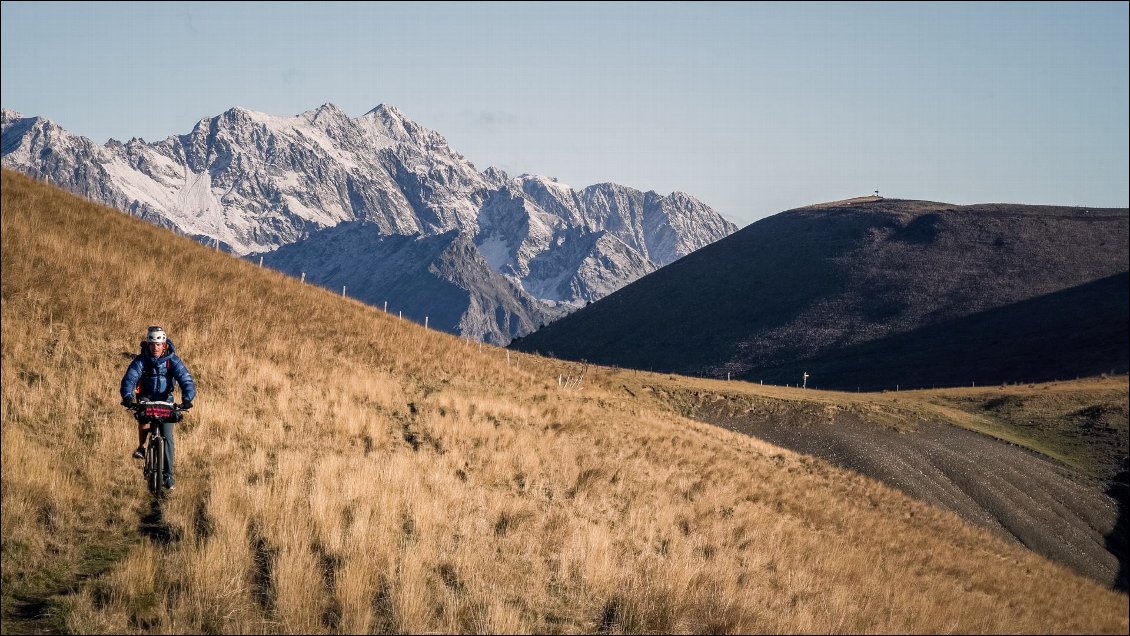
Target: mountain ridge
<point x="250" y="182"/>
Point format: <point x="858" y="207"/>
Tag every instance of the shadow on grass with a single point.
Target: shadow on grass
<point x="154" y="526"/>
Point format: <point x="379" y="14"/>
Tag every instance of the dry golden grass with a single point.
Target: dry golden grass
<point x="346" y="472"/>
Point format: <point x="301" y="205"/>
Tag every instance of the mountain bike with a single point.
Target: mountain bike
<point x="151" y="415"/>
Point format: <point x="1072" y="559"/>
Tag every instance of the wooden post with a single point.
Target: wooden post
<point x="260" y="261"/>
<point x="386" y="306"/>
<point x="425" y="322"/>
<point x="343" y="291"/>
<point x="303" y="278"/>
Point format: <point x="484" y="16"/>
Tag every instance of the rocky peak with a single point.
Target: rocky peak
<point x="495" y="176"/>
<point x="326" y="115"/>
<point x="401" y="129"/>
<point x="236" y="115"/>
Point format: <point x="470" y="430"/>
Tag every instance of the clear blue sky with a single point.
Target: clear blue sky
<point x="752" y="108"/>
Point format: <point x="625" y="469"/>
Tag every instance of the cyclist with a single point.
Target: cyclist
<point x="150" y="377"/>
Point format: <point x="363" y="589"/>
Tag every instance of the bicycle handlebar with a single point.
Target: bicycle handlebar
<point x="138" y="405"/>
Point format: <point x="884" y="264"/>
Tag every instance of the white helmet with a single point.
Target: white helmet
<point x="156" y="335"/>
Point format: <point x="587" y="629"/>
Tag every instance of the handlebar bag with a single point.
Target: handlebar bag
<point x="158" y="411"/>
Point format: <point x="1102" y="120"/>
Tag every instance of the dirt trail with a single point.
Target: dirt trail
<point x="1021" y="495"/>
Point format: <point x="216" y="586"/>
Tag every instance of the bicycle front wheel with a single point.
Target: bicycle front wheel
<point x="155" y="464"/>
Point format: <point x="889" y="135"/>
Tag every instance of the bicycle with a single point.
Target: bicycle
<point x="152" y="415"/>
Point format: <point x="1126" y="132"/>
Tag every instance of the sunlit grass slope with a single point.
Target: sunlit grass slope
<point x="347" y="472"/>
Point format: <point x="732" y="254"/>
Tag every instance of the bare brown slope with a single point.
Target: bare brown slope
<point x="346" y="472"/>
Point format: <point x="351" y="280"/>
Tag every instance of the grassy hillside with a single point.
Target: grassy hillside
<point x="344" y="471"/>
<point x="1083" y="424"/>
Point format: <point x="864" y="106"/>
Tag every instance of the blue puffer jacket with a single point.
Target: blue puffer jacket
<point x="156" y="375"/>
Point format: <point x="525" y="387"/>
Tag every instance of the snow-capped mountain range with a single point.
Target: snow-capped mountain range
<point x="520" y="251"/>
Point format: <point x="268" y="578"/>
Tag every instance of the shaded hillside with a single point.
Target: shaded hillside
<point x="346" y="472"/>
<point x="809" y="283"/>
<point x="1073" y="333"/>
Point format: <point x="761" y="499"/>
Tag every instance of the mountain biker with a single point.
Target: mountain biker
<point x="150" y="377"/>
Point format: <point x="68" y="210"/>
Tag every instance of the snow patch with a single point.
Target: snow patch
<point x="138" y="186"/>
<point x="497" y="252"/>
<point x="200" y="208"/>
<point x="550" y="182"/>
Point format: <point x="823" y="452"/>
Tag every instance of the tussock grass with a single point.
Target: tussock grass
<point x="346" y="472"/>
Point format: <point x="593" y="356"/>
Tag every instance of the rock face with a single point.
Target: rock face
<point x="253" y="183"/>
<point x="876" y="293"/>
<point x="440" y="279"/>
